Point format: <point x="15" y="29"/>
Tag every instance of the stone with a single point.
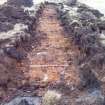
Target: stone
<point x="26" y="3"/>
<point x="93" y="98"/>
<point x="71" y="2"/>
<point x="76" y="23"/>
<point x="23" y="102"/>
<point x="13" y="12"/>
<point x="96" y="13"/>
<point x="101" y="24"/>
<point x="85" y="8"/>
<point x="5" y="26"/>
<point x="12" y="52"/>
<point x="19" y="100"/>
<point x="87" y="16"/>
<point x="101" y="38"/>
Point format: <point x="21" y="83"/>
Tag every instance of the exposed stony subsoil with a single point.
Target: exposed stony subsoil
<point x="54" y="54"/>
<point x="51" y="60"/>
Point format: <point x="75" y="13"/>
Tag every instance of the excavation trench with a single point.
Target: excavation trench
<point x="51" y="61"/>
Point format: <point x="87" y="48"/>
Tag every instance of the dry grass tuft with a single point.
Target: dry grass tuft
<point x="51" y="98"/>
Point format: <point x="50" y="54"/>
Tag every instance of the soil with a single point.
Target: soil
<point x="51" y="60"/>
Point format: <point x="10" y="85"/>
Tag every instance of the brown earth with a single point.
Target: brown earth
<point x="55" y="53"/>
<point x="51" y="61"/>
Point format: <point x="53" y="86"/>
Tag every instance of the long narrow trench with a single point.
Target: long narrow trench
<point x="52" y="60"/>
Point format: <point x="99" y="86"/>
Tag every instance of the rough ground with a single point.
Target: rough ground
<point x="50" y="61"/>
<point x="57" y="53"/>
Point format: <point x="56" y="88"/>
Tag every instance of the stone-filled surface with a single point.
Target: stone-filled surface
<point x="87" y="27"/>
<point x="51" y="53"/>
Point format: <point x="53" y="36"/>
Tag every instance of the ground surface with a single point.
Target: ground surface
<point x="55" y="52"/>
<point x="51" y="61"/>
